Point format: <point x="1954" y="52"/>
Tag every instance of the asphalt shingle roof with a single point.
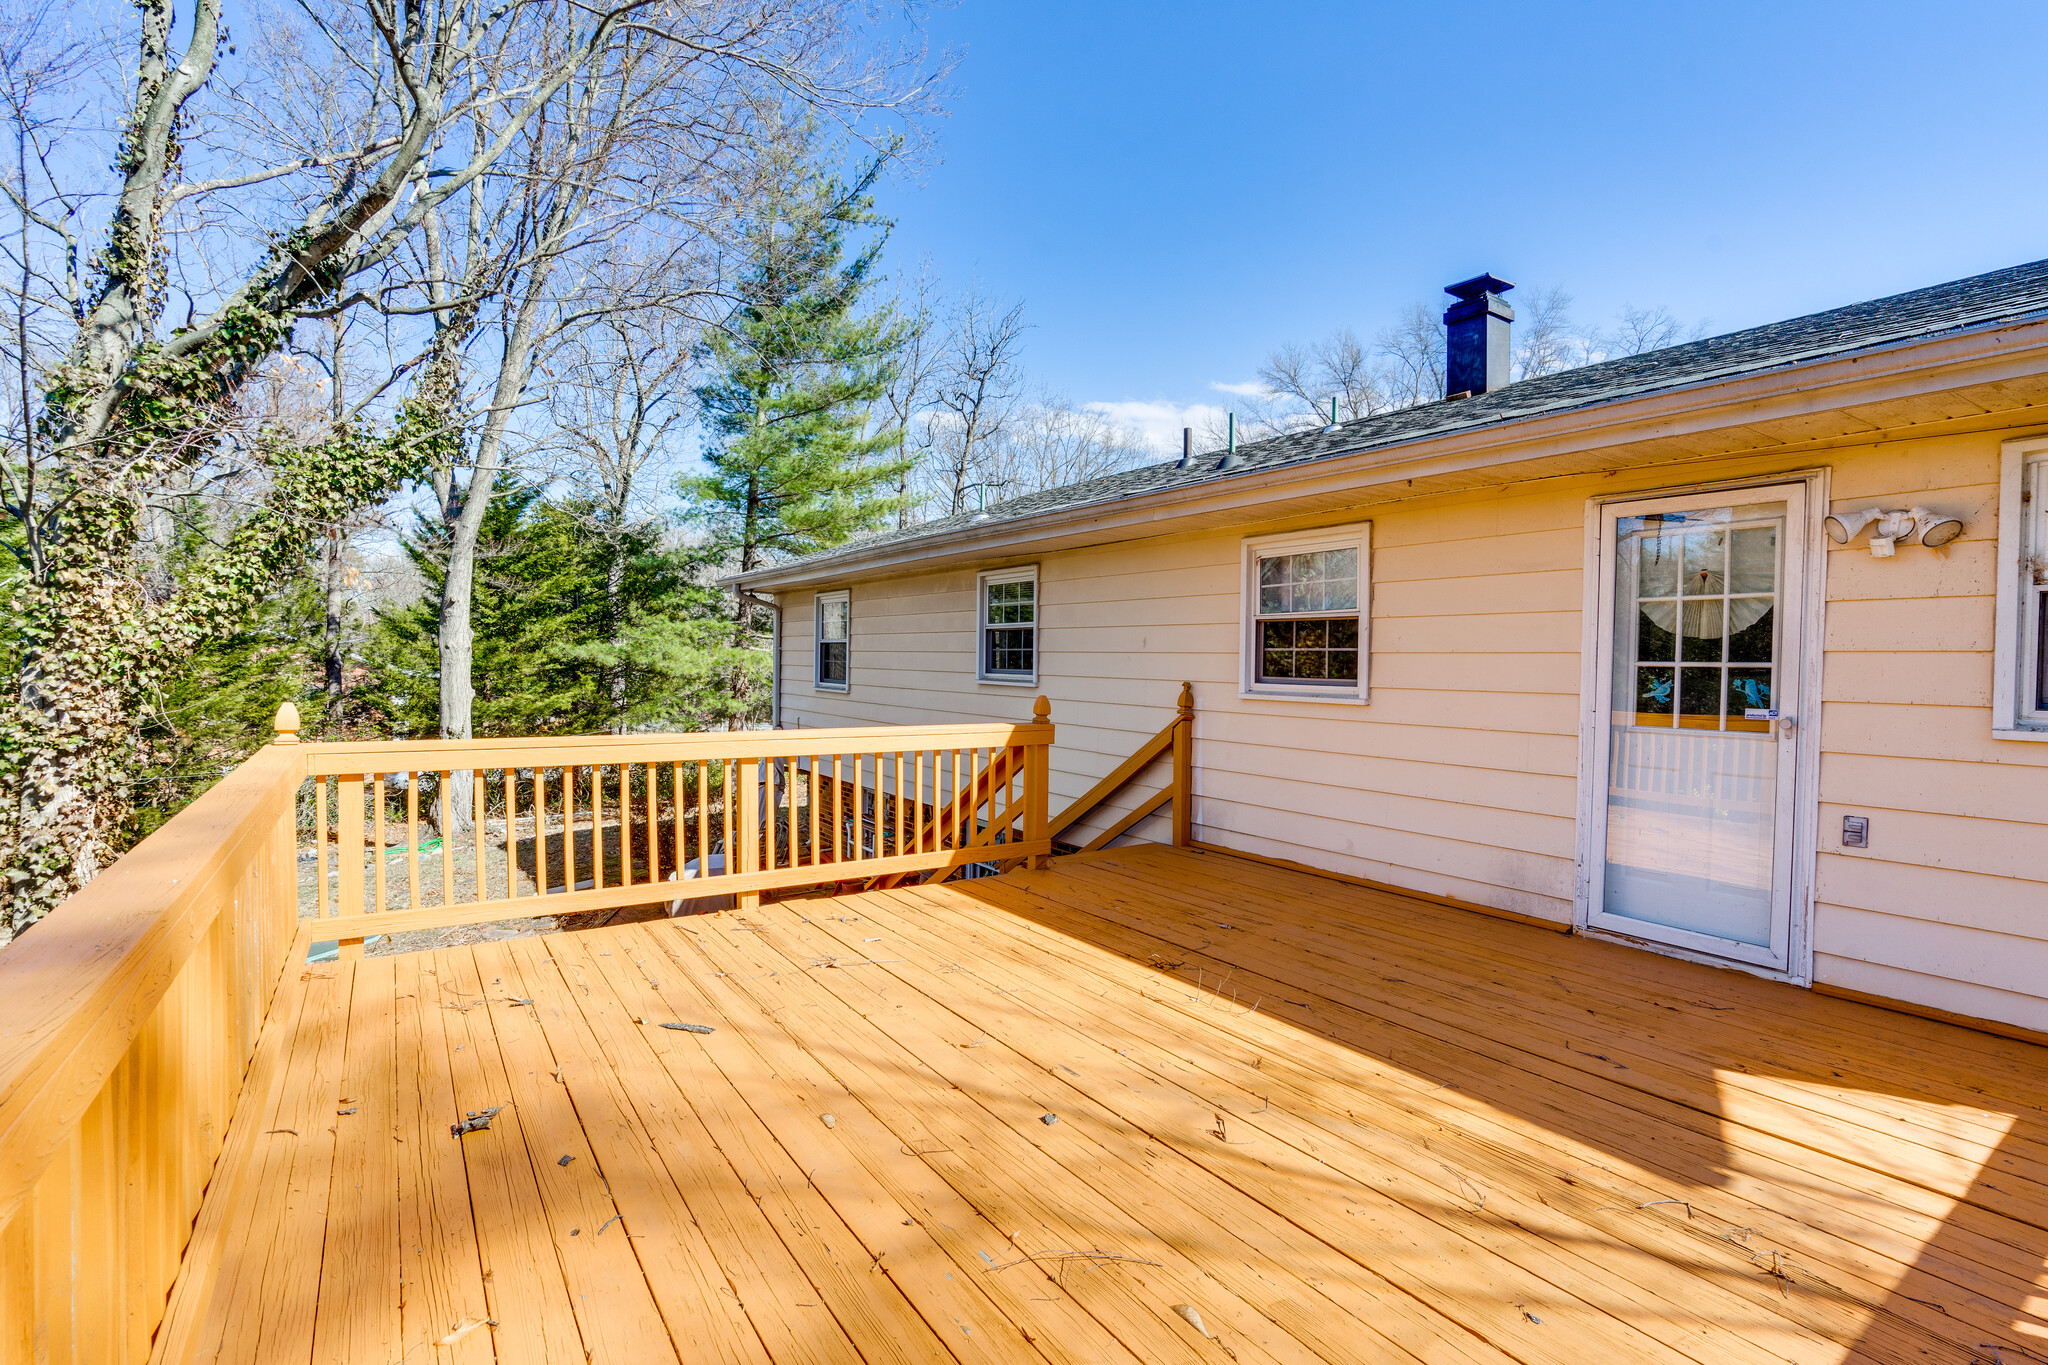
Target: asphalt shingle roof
<point x="2000" y="297"/>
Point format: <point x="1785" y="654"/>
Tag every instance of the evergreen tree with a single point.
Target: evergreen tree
<point x="566" y="643"/>
<point x="793" y="461"/>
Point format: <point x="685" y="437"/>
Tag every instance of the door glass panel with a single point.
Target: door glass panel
<point x="1693" y="770"/>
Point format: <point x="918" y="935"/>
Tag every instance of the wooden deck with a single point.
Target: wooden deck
<point x="1296" y="1121"/>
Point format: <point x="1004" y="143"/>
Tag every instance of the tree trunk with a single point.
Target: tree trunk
<point x="334" y="585"/>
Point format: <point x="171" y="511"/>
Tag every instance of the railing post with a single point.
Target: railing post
<point x="1038" y="785"/>
<point x="1184" y="769"/>
<point x="747" y="772"/>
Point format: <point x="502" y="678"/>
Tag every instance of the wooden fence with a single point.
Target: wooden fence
<point x="128" y="1017"/>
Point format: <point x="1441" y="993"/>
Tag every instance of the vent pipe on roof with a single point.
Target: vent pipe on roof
<point x="1476" y="336"/>
<point x="1187" y="447"/>
<point x="1230" y="459"/>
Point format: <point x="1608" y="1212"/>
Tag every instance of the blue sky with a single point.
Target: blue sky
<point x="1175" y="189"/>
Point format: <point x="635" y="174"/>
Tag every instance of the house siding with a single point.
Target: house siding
<point x="1460" y="776"/>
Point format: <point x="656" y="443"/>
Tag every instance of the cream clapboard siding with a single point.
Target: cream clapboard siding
<point x="1460" y="777"/>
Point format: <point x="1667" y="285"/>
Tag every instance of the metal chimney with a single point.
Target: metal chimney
<point x="1476" y="336"/>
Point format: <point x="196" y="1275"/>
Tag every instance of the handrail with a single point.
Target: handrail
<point x="127" y="1019"/>
<point x="1178" y="735"/>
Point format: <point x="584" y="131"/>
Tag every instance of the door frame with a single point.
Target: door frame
<point x="1592" y="783"/>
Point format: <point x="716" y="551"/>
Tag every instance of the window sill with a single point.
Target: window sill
<point x="1351" y="697"/>
<point x="1008" y="682"/>
<point x="2039" y="735"/>
<point x="836" y="689"/>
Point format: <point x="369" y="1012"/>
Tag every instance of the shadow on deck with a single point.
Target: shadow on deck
<point x="1146" y="1105"/>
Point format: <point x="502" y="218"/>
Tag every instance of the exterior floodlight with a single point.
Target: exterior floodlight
<point x="1844" y="527"/>
<point x="1936" y="528"/>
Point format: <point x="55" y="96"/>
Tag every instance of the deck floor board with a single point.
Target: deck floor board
<point x="1298" y="1121"/>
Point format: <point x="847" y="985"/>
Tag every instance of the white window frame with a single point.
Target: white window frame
<point x="818" y="681"/>
<point x="1357" y="536"/>
<point x="2022" y="579"/>
<point x="983" y="581"/>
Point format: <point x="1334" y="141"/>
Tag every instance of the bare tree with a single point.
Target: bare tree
<point x="911" y="393"/>
<point x="1049" y="443"/>
<point x="1414" y="352"/>
<point x="1338" y="367"/>
<point x="1546" y="339"/>
<point x="1637" y="330"/>
<point x="977" y="388"/>
<point x="291" y="192"/>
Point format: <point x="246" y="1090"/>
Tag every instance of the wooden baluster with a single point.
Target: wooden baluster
<point x="447" y="839"/>
<point x="511" y="837"/>
<point x="596" y="868"/>
<point x="625" y="824"/>
<point x="749" y="830"/>
<point x="832" y="840"/>
<point x="569" y="820"/>
<point x="377" y="825"/>
<point x="540" y="830"/>
<point x="813" y="808"/>
<point x="413" y="899"/>
<point x="675" y="771"/>
<point x="703" y="818"/>
<point x="320" y="848"/>
<point x="476" y="784"/>
<point x="348" y="830"/>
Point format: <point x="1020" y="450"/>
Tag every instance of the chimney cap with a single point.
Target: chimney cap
<point x="1477" y="285"/>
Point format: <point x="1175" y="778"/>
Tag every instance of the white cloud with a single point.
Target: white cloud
<point x="1249" y="389"/>
<point x="1158" y="423"/>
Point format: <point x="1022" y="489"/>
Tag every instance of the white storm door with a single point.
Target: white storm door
<point x="1699" y="705"/>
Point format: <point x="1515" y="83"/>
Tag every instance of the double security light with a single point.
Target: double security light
<point x="1890" y="525"/>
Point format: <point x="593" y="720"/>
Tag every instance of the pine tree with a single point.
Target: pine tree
<point x="794" y="462"/>
<point x="550" y="656"/>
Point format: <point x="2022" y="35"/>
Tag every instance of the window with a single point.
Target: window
<point x="1008" y="647"/>
<point x="835" y="633"/>
<point x="1307" y="615"/>
<point x="2020" y="690"/>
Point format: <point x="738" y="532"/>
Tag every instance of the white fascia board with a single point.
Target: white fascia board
<point x="1887" y="373"/>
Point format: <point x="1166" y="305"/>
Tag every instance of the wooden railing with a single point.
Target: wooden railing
<point x="556" y="826"/>
<point x="1178" y="736"/>
<point x="129" y="1016"/>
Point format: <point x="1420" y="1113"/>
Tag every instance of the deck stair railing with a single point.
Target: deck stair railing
<point x="1179" y="737"/>
<point x="129" y="1015"/>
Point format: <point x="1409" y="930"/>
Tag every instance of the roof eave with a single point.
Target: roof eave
<point x="1896" y="369"/>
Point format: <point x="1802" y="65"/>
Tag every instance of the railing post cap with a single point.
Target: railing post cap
<point x="287" y="724"/>
<point x="1187" y="699"/>
<point x="1041" y="710"/>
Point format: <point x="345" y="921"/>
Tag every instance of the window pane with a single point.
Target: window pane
<point x="1315" y="650"/>
<point x="1753" y="564"/>
<point x="1703" y="628"/>
<point x="1654" y="691"/>
<point x="1009" y="651"/>
<point x="1658" y="561"/>
<point x="831" y="662"/>
<point x="1749" y="689"/>
<point x="1321" y="580"/>
<point x="1699" y="698"/>
<point x="832" y="619"/>
<point x="1011" y="604"/>
<point x="1752" y="644"/>
<point x="1706" y="554"/>
<point x="1654" y="642"/>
